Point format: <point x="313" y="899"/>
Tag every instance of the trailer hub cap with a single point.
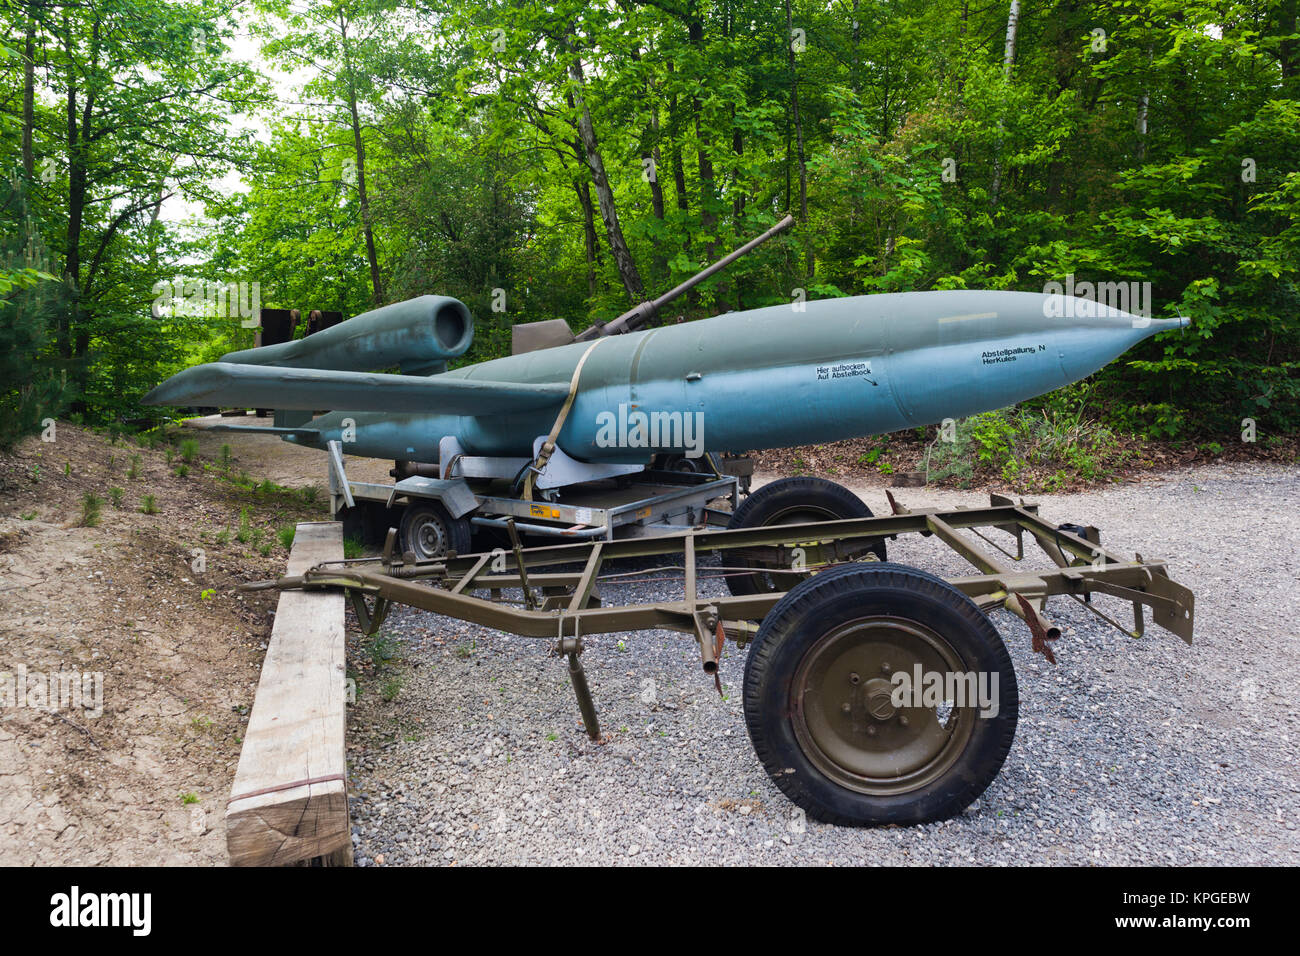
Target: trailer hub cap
<point x="431" y="537"/>
<point x="879" y="702"/>
<point x="877" y="736"/>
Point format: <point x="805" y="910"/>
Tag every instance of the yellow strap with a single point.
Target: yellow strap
<point x="548" y="446"/>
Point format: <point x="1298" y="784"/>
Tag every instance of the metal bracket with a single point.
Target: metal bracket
<point x="455" y="462"/>
<point x="368" y="620"/>
<point x="1040" y="630"/>
<point x="560" y="470"/>
<point x="338" y="477"/>
<point x="711" y="638"/>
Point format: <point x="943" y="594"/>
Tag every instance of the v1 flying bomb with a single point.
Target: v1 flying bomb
<point x="774" y="377"/>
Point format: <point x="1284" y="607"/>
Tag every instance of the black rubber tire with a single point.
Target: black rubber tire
<point x="767" y="505"/>
<point x="694" y="466"/>
<point x="829" y="601"/>
<point x="453" y="533"/>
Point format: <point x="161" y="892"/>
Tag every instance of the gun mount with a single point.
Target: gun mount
<point x="639" y="316"/>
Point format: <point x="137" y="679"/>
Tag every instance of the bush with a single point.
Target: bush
<point x="1035" y="448"/>
<point x="90" y="508"/>
<point x="286" y="535"/>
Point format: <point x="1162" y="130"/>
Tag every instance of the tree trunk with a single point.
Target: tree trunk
<point x="1289" y="49"/>
<point x="627" y="270"/>
<point x="1009" y="51"/>
<point x="588" y="231"/>
<point x="1008" y="61"/>
<point x="704" y="159"/>
<point x="659" y="264"/>
<point x="738" y="151"/>
<point x="679" y="167"/>
<point x="855" y="69"/>
<point x="650" y="157"/>
<point x="679" y="181"/>
<point x="809" y="258"/>
<point x="377" y="289"/>
<point x="29" y="97"/>
<point x="789" y="146"/>
<point x="1144" y="101"/>
<point x="76" y="207"/>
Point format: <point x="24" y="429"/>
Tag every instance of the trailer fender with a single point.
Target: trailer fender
<point x="453" y="493"/>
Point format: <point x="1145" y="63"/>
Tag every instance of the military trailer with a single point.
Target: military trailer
<point x="844" y="647"/>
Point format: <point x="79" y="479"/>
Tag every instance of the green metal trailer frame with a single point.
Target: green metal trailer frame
<point x="564" y="606"/>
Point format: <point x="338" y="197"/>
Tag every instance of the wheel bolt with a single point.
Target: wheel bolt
<point x="846" y="708"/>
<point x="902" y="721"/>
<point x="871" y="731"/>
<point x="885" y="668"/>
<point x="854" y="678"/>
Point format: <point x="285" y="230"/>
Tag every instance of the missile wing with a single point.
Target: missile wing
<point x="228" y="383"/>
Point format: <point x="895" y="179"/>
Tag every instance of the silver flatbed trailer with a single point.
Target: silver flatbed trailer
<point x="634" y="503"/>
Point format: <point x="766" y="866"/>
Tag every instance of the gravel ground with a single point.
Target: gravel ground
<point x="1127" y="752"/>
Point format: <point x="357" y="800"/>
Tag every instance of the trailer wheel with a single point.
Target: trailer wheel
<point x="820" y="704"/>
<point x="790" y="501"/>
<point x="430" y="531"/>
<point x="693" y="466"/>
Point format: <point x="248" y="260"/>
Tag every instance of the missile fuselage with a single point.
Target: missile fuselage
<point x="777" y="377"/>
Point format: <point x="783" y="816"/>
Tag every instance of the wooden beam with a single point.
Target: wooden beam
<point x="289" y="799"/>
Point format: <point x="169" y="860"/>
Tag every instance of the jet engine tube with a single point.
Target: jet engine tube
<point x="417" y="336"/>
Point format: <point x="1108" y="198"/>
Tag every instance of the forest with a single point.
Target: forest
<point x="171" y="164"/>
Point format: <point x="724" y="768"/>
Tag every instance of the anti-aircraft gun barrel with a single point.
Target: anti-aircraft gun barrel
<point x="639" y="316"/>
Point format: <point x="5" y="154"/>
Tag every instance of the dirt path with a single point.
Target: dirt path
<point x="139" y="613"/>
<point x="267" y="456"/>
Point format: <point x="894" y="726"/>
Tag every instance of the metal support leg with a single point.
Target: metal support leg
<point x="529" y="598"/>
<point x="585" y="704"/>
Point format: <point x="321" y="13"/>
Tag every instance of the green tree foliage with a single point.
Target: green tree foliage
<point x="32" y="384"/>
<point x="563" y="159"/>
<point x="112" y="108"/>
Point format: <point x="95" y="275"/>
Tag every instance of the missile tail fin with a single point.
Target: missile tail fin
<point x="311" y="433"/>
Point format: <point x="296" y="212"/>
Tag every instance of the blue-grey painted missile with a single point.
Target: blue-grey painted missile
<point x="766" y="378"/>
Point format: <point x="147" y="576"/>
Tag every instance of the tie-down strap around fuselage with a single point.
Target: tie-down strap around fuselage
<point x="548" y="446"/>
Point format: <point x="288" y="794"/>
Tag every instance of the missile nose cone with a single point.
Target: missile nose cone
<point x="1103" y="339"/>
<point x="1150" y="327"/>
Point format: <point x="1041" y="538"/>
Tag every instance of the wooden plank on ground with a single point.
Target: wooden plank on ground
<point x="295" y="731"/>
